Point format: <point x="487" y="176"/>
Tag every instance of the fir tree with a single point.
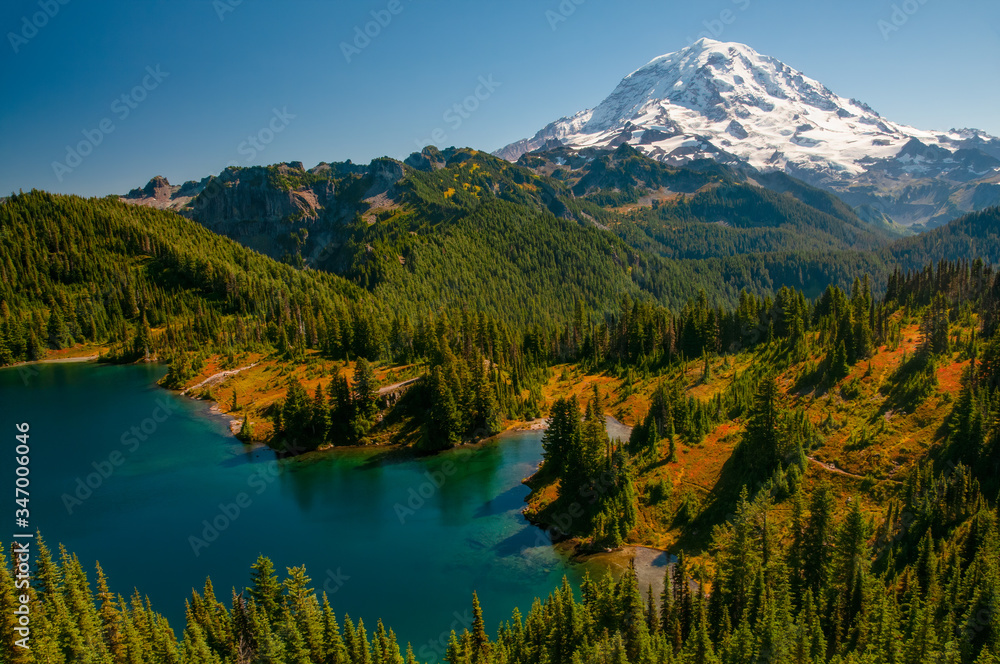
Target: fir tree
<point x="759" y="451"/>
<point x="265" y="589"/>
<point x="365" y="388"/>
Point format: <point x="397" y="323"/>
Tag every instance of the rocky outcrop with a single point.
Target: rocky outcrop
<point x="429" y="159"/>
<point x="262" y="195"/>
<point x="284" y="211"/>
<point x="159" y="193"/>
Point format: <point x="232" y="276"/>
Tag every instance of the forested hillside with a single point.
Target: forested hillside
<point x="758" y="397"/>
<point x="825" y="464"/>
<point x="102" y="272"/>
<point x="460" y="228"/>
<point x="974" y="235"/>
<point x="491" y="280"/>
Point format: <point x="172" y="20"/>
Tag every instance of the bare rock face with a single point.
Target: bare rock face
<point x="259" y="195"/>
<point x="384" y="173"/>
<point x="428" y="159"/>
<point x="284" y="210"/>
<point x="159" y="193"/>
<point x="157" y="187"/>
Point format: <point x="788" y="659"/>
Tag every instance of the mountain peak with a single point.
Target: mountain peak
<point x="721" y="81"/>
<point x="701" y="46"/>
<point x="726" y="101"/>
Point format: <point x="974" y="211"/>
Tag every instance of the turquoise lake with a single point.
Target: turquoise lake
<point x="386" y="535"/>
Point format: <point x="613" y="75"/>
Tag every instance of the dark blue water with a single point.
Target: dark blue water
<point x="386" y="535"/>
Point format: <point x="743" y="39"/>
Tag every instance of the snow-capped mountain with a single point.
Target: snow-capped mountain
<point x="727" y="102"/>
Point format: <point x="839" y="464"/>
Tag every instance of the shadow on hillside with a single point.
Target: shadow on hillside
<point x="911" y="384"/>
<point x="719" y="507"/>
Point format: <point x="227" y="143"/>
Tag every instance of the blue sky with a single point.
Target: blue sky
<point x="200" y="77"/>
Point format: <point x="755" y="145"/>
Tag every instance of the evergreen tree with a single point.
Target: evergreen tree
<point x="839" y="366"/>
<point x="480" y="642"/>
<point x="759" y="451"/>
<point x="818" y="540"/>
<point x="57" y="333"/>
<point x="265" y="589"/>
<point x="556" y="440"/>
<point x="365" y="389"/>
<point x="442" y="429"/>
<point x="319" y="416"/>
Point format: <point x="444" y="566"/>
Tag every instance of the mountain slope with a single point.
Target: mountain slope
<point x="976" y="235"/>
<point x="725" y="101"/>
<point x="96" y="271"/>
<point x="459" y="227"/>
<point x="726" y="209"/>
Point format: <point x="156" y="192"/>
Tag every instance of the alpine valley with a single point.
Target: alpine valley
<point x="726" y="315"/>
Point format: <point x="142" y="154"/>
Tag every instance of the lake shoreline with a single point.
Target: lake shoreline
<point x="576" y="550"/>
<point x="341" y="515"/>
<point x="596" y="562"/>
<point x="55" y="360"/>
<point x="650" y="564"/>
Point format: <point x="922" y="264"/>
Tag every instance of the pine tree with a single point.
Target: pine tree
<point x="365" y="388"/>
<point x="480" y="642"/>
<point x="556" y="438"/>
<point x="334" y="649"/>
<point x="852" y="559"/>
<point x="488" y="419"/>
<point x="341" y="412"/>
<point x="454" y="654"/>
<point x="265" y="589"/>
<point x="839" y="365"/>
<point x="683" y="603"/>
<point x="797" y="547"/>
<point x="142" y="346"/>
<point x="443" y="421"/>
<point x="934" y="335"/>
<point x="633" y="615"/>
<point x="111" y="618"/>
<point x="668" y="614"/>
<point x="319" y="416"/>
<point x="652" y="617"/>
<point x="759" y="451"/>
<point x="246" y="430"/>
<point x="58" y="335"/>
<point x="700" y="648"/>
<point x="295" y="416"/>
<point x="818" y="540"/>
